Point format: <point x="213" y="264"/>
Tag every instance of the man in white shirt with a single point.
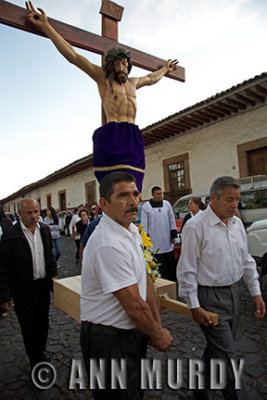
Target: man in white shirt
<point x="73" y="230"/>
<point x="118" y="307"/>
<point x="26" y="269"/>
<point x="214" y="258"/>
<point x="159" y="222"/>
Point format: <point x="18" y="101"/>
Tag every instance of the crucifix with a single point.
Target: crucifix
<point x="118" y="144"/>
<point x="15" y="16"/>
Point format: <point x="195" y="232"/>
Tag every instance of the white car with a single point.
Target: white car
<point x="257" y="243"/>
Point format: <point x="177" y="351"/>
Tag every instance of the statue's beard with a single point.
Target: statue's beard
<point x="121" y="78"/>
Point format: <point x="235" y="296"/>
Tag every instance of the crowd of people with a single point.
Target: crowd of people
<point x="118" y="309"/>
<point x="75" y="222"/>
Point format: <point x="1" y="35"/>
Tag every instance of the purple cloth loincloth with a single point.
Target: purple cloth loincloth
<point x="119" y="146"/>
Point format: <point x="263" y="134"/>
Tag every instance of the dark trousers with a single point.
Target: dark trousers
<point x="220" y="339"/>
<point x="77" y="242"/>
<point x="168" y="265"/>
<point x="98" y="341"/>
<point x="32" y="313"/>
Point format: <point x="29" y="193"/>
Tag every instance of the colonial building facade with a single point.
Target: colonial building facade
<point x="223" y="135"/>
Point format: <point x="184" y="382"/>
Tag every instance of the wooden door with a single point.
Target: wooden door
<point x="257" y="161"/>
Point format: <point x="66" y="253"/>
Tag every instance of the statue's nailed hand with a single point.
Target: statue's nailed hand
<point x="36" y="18"/>
<point x="171" y="65"/>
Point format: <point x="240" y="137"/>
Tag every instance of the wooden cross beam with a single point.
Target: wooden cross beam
<point x="15" y="16"/>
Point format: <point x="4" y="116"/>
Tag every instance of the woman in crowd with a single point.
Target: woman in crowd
<point x="55" y="226"/>
<point x="81" y="225"/>
<point x="84" y="221"/>
<point x="195" y="206"/>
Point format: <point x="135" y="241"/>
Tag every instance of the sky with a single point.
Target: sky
<point x="49" y="109"/>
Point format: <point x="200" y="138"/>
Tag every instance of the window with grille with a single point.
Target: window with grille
<point x="176" y="176"/>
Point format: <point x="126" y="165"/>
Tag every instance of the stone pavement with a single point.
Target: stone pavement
<point x="63" y="344"/>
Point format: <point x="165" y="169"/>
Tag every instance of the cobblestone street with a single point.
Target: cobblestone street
<point x="64" y="346"/>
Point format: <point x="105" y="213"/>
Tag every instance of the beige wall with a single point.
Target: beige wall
<point x="74" y="185"/>
<point x="212" y="150"/>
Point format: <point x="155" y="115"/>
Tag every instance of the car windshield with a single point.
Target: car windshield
<point x="180" y="207"/>
<point x="253" y="199"/>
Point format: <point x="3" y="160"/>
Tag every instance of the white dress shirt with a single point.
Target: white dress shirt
<point x="72" y="226"/>
<point x="214" y="254"/>
<point x="37" y="250"/>
<point x="113" y="259"/>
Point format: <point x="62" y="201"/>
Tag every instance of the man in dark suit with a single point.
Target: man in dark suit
<point x="26" y="269"/>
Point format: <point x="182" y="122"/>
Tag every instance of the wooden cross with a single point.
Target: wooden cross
<point x="15" y="16"/>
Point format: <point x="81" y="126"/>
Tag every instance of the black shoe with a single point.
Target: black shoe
<point x="202" y="394"/>
<point x="45" y="356"/>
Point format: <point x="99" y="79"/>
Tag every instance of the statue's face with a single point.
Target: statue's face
<point x="121" y="70"/>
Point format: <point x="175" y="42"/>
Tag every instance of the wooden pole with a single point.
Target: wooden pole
<point x="181" y="308"/>
<point x="67" y="293"/>
<point x="111" y="14"/>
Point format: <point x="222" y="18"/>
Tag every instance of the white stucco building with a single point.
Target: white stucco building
<point x="223" y="135"/>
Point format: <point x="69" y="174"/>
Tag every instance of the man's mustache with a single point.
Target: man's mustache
<point x="132" y="209"/>
<point x="32" y="220"/>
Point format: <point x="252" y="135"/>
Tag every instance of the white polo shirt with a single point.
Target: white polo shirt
<point x="113" y="259"/>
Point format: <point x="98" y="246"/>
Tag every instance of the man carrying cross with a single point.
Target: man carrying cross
<point x="118" y="145"/>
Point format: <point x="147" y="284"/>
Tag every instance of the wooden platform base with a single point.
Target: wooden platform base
<point x="67" y="293"/>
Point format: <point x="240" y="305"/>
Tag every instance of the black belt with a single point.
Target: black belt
<point x="221" y="287"/>
<point x="107" y="330"/>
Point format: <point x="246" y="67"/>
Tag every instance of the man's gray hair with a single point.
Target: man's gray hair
<point x="20" y="202"/>
<point x="221" y="183"/>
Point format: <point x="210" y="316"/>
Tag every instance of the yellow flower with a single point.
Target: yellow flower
<point x="151" y="264"/>
<point x="146" y="240"/>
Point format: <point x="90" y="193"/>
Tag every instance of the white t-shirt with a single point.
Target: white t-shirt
<point x="113" y="259"/>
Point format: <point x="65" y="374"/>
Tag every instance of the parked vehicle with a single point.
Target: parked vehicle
<point x="180" y="207"/>
<point x="253" y="199"/>
<point x="257" y="243"/>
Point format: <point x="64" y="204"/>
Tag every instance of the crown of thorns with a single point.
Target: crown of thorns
<point x="116" y="53"/>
